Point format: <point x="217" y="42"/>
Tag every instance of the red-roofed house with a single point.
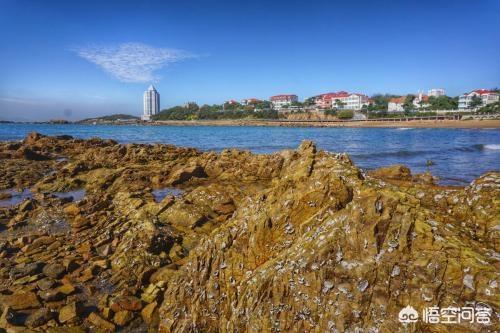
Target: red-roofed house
<point x="280" y="101"/>
<point x="396" y="104"/>
<point x="342" y="100"/>
<point x="487" y="97"/>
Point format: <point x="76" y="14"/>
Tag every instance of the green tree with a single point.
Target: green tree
<point x="339" y="104"/>
<point x="408" y="104"/>
<point x="310" y="101"/>
<point x="443" y="103"/>
<point x="345" y="114"/>
<point x="475" y="102"/>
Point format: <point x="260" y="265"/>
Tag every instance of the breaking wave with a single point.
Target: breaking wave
<point x="492" y="147"/>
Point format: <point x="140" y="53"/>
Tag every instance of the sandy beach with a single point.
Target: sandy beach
<point x="485" y="123"/>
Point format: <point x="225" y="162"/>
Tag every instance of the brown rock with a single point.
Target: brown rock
<point x="123" y="317"/>
<point x="22" y="301"/>
<point x="67" y="288"/>
<point x="130" y="303"/>
<point x="54" y="270"/>
<point x="45" y="284"/>
<point x="100" y="323"/>
<point x="393" y="172"/>
<point x="51" y="295"/>
<point x="69" y="313"/>
<point x="148" y="311"/>
<point x="186" y="173"/>
<point x="72" y="210"/>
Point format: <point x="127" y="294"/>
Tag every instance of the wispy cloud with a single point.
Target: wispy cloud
<point x="132" y="62"/>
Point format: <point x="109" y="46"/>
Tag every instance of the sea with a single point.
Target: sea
<point x="458" y="155"/>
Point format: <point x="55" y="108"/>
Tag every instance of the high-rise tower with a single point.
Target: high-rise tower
<point x="151" y="103"/>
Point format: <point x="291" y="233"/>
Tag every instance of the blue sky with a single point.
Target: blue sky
<point x="75" y="59"/>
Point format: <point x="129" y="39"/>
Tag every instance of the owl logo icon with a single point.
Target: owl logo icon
<point x="408" y="315"/>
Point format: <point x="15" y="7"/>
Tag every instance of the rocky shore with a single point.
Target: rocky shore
<point x="98" y="236"/>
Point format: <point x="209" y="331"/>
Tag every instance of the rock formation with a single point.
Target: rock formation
<point x="296" y="241"/>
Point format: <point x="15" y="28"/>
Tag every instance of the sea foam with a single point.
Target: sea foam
<point x="492" y="147"/>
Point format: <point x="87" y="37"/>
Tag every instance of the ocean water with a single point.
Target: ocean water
<point x="459" y="155"/>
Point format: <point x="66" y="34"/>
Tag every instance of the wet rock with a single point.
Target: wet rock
<point x="39" y="317"/>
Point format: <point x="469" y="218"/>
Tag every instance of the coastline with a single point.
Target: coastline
<point x="478" y="124"/>
<point x="110" y="236"/>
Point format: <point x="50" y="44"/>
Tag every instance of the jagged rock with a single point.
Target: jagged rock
<point x="298" y="240"/>
<point x="184" y="174"/>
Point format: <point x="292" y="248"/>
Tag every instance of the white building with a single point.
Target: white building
<point x="486" y="96"/>
<point x="436" y="92"/>
<point x="151" y="103"/>
<point x="421" y="101"/>
<point x="396" y="104"/>
<point x="348" y="101"/>
<point x="281" y="101"/>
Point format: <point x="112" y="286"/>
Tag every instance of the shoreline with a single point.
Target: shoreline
<point x="478" y="124"/>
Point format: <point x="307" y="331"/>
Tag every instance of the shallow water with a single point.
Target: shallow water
<point x="460" y="155"/>
<point x="16" y="197"/>
<point x="77" y="195"/>
<point x="160" y="194"/>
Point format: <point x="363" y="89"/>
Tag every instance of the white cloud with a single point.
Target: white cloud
<point x="132" y="62"/>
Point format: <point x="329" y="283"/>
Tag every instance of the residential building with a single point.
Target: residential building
<point x="487" y="97"/>
<point x="280" y="101"/>
<point x="396" y="104"/>
<point x="354" y="101"/>
<point x="248" y="101"/>
<point x="342" y="100"/>
<point x="151" y="103"/>
<point x="421" y="101"/>
<point x="436" y="92"/>
<point x="324" y="101"/>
